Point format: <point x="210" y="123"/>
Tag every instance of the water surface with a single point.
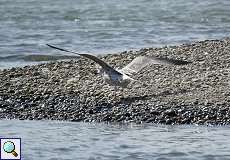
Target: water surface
<point x="105" y="26"/>
<point x="65" y="140"/>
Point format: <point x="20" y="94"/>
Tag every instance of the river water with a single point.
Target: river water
<point x="54" y="140"/>
<point x="101" y="27"/>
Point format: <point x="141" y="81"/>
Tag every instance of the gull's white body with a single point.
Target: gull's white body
<point x="116" y="79"/>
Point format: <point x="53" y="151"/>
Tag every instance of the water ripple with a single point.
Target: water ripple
<point x="66" y="140"/>
<point x="107" y="26"/>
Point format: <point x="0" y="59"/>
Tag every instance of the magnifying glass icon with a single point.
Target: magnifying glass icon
<point x="9" y="147"/>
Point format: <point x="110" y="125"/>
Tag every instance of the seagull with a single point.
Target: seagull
<point x="122" y="77"/>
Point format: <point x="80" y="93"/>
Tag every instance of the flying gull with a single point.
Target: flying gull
<point x="123" y="76"/>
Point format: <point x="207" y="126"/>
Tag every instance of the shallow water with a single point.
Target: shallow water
<point x="65" y="140"/>
<point x="105" y="26"/>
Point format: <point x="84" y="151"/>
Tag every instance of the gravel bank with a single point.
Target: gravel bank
<point x="197" y="93"/>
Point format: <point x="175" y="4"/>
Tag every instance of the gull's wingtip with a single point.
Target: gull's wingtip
<point x="61" y="49"/>
<point x="50" y="45"/>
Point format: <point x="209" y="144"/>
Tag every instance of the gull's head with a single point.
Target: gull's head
<point x="100" y="71"/>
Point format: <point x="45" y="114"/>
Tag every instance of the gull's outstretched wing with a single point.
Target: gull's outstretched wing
<point x="104" y="65"/>
<point x="142" y="61"/>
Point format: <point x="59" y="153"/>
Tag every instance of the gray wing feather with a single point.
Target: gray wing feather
<point x="104" y="65"/>
<point x="136" y="65"/>
<point x="142" y="61"/>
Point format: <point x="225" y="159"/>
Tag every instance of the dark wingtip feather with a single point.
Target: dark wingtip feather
<point x="57" y="48"/>
<point x="180" y="62"/>
<point x="173" y="61"/>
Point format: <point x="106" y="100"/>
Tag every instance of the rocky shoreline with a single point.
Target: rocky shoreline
<point x="197" y="93"/>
